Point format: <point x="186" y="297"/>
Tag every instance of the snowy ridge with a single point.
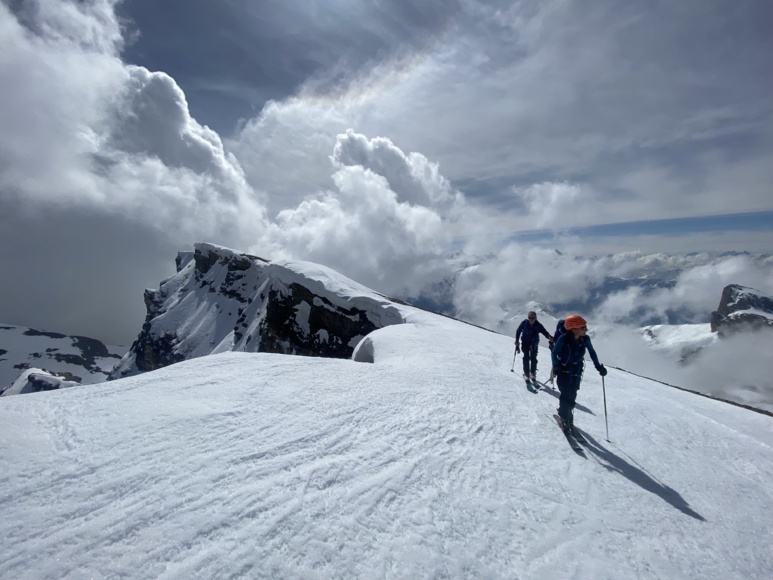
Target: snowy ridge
<point x="223" y="300"/>
<point x="435" y="461"/>
<point x="77" y="359"/>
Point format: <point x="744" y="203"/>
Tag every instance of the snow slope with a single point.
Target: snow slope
<point x="435" y="461"/>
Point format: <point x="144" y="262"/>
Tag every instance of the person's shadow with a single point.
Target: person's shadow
<point x="612" y="462"/>
<point x="556" y="393"/>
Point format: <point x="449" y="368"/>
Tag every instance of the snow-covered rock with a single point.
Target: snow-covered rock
<point x="78" y="359"/>
<point x="223" y="300"/>
<point x="678" y="342"/>
<point x="742" y="309"/>
<point x="36" y="380"/>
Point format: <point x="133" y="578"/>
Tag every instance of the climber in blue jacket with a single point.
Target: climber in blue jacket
<point x="528" y="332"/>
<point x="568" y="359"/>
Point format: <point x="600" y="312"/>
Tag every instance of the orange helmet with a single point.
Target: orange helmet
<point x="574" y="321"/>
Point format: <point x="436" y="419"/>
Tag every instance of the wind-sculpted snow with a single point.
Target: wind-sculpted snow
<point x="435" y="461"/>
<point x="223" y="300"/>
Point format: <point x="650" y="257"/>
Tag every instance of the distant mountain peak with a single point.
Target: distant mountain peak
<point x="742" y="309"/>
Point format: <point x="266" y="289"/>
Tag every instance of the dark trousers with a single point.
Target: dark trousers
<point x="529" y="358"/>
<point x="568" y="385"/>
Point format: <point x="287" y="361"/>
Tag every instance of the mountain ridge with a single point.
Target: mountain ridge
<point x="221" y="299"/>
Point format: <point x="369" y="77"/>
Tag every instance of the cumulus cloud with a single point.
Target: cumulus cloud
<point x="109" y="147"/>
<point x="412" y="177"/>
<point x="80" y="127"/>
<point x="90" y="26"/>
<point x="383" y="224"/>
<point x="285" y="150"/>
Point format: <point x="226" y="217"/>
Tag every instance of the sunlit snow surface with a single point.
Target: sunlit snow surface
<point x="433" y="462"/>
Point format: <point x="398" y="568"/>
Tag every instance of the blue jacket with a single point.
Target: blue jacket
<point x="529" y="334"/>
<point x="569" y="353"/>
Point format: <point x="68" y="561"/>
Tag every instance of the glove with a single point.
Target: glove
<point x="517" y="348"/>
<point x="550" y="344"/>
<point x="602" y="371"/>
<point x="556" y="369"/>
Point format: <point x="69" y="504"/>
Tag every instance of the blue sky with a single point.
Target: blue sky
<point x="742" y="222"/>
<point x="374" y="137"/>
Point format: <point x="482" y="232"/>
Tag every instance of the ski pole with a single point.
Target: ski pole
<point x="604" y="391"/>
<point x="512" y="368"/>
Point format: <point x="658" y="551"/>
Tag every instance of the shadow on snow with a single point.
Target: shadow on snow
<point x="637" y="475"/>
<point x="554" y="391"/>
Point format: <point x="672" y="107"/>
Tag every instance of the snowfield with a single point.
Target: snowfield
<point x="435" y="461"/>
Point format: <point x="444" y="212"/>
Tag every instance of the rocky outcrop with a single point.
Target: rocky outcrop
<point x="36" y="380"/>
<point x="742" y="309"/>
<point x="77" y="359"/>
<point x="222" y="300"/>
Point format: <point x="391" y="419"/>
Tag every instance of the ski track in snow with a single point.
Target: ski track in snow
<point x="432" y="463"/>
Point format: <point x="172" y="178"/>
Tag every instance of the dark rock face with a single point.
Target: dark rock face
<point x="154" y="352"/>
<point x="742" y="309"/>
<point x="330" y="328"/>
<point x="225" y="300"/>
<point x="37" y="383"/>
<point x="37" y="380"/>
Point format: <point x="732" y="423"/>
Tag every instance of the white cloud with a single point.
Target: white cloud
<point x="80" y="127"/>
<point x="90" y="26"/>
<point x="552" y="205"/>
<point x="112" y="150"/>
<point x="285" y="151"/>
<point x="520" y="274"/>
<point x="687" y="287"/>
<point x="698" y="283"/>
<point x="364" y="231"/>
<point x="412" y="177"/>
